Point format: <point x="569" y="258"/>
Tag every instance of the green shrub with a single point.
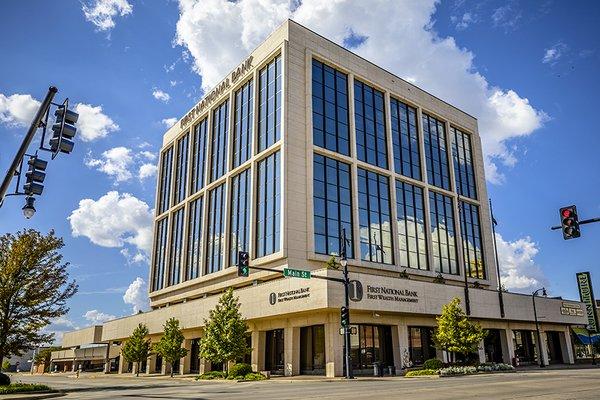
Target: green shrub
<point x="239" y="370"/>
<point x="254" y="376"/>
<point x="22" y="388"/>
<point x="4" y="379"/>
<point x="458" y="370"/>
<point x="420" y="372"/>
<point x="212" y="375"/>
<point x="433" y="363"/>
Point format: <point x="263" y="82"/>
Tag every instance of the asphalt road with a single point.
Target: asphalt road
<point x="563" y="384"/>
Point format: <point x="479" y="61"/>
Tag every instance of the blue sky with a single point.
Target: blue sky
<point x="526" y="70"/>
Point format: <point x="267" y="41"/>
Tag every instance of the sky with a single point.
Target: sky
<point x="526" y="70"/>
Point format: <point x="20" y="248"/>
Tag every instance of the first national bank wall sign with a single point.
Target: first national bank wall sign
<point x="586" y="294"/>
<point x="239" y="72"/>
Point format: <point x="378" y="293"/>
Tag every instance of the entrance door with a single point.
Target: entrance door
<point x="194" y="356"/>
<point x="525" y="346"/>
<point x="274" y="360"/>
<point x="554" y="350"/>
<point x="312" y="350"/>
<point x="493" y="346"/>
<point x="372" y="344"/>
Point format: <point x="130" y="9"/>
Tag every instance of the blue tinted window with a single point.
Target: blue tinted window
<point x="176" y="247"/>
<point x="181" y="169"/>
<point x="240" y="215"/>
<point x="164" y="194"/>
<point x="244" y="122"/>
<point x="332" y="205"/>
<point x="463" y="163"/>
<point x="471" y="240"/>
<point x="436" y="153"/>
<point x="269" y="106"/>
<point x="220" y="130"/>
<point x="194" y="244"/>
<point x="374" y="217"/>
<point x="268" y="217"/>
<point x="198" y="155"/>
<point x="411" y="226"/>
<point x="330" y="108"/>
<point x="407" y="160"/>
<point x="160" y="254"/>
<point x="216" y="230"/>
<point x="369" y="117"/>
<point x="443" y="236"/>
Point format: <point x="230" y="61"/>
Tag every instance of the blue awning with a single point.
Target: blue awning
<point x="586" y="337"/>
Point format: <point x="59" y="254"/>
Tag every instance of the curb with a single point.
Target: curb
<point x="33" y="395"/>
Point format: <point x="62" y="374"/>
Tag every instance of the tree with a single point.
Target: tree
<point x="455" y="333"/>
<point x="137" y="348"/>
<point x="43" y="356"/>
<point x="34" y="289"/>
<point x="169" y="345"/>
<point x="225" y="332"/>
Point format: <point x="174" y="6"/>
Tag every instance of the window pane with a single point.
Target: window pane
<point x="442" y="234"/>
<point x="462" y="155"/>
<point x="268" y="218"/>
<point x="176" y="247"/>
<point x="411" y="226"/>
<point x="269" y="123"/>
<point x="194" y="244"/>
<point x="164" y="195"/>
<point x="181" y="169"/>
<point x="220" y="131"/>
<point x="471" y="240"/>
<point x="216" y="228"/>
<point x="371" y="140"/>
<point x="160" y="252"/>
<point x="240" y="215"/>
<point x="405" y="141"/>
<point x="244" y="117"/>
<point x="198" y="155"/>
<point x="436" y="152"/>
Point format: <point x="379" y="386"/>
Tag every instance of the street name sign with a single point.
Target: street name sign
<point x="296" y="273"/>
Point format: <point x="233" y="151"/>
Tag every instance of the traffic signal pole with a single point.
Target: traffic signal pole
<point x="14" y="167"/>
<point x="344" y="262"/>
<point x="583" y="222"/>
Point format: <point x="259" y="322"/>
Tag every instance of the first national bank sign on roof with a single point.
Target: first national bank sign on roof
<point x="235" y="76"/>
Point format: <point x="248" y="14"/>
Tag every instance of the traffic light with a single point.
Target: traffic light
<point x="63" y="130"/>
<point x="243" y="263"/>
<point x="344" y="316"/>
<point x="35" y="176"/>
<point x="569" y="222"/>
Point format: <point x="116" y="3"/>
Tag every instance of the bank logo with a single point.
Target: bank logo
<point x="272" y="299"/>
<point x="355" y="290"/>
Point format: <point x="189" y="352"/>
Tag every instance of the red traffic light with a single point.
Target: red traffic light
<point x="566" y="213"/>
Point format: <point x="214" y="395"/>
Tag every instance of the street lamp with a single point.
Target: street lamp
<point x="537" y="325"/>
<point x="344" y="265"/>
<point x="588" y="329"/>
<point x="28" y="208"/>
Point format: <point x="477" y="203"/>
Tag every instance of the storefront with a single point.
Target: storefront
<point x="312" y="350"/>
<point x="525" y="347"/>
<point x="274" y="351"/>
<point x="371" y="344"/>
<point x="492" y="345"/>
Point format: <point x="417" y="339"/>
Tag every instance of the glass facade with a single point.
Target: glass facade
<point x="216" y="230"/>
<point x="471" y="240"/>
<point x="269" y="106"/>
<point x="374" y="217"/>
<point x="194" y="243"/>
<point x="181" y="166"/>
<point x="411" y="226"/>
<point x="369" y="119"/>
<point x="443" y="236"/>
<point x="164" y="194"/>
<point x="420" y="344"/>
<point x="371" y="344"/>
<point x="220" y="129"/>
<point x="332" y="202"/>
<point x="330" y="108"/>
<point x="405" y="140"/>
<point x="198" y="155"/>
<point x="240" y="215"/>
<point x="176" y="247"/>
<point x="244" y="117"/>
<point x="436" y="152"/>
<point x="160" y="253"/>
<point x="463" y="163"/>
<point x="268" y="219"/>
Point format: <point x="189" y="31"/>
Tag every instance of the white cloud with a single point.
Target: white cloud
<point x="137" y="258"/>
<point x="147" y="154"/>
<point x="59" y="326"/>
<point x="169" y="122"/>
<point x="115" y="162"/>
<point x="554" y="53"/>
<point x="17" y="110"/>
<point x="161" y="96"/>
<point x="97" y="317"/>
<point x="147" y="170"/>
<point x="102" y="12"/>
<point x="507" y="16"/>
<point x="114" y="220"/>
<point x="137" y="295"/>
<point x="437" y="64"/>
<point x="93" y="123"/>
<point x="518" y="269"/>
<point x="462" y="23"/>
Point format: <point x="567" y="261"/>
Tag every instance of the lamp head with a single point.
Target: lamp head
<point x="344" y="262"/>
<point x="28" y="208"/>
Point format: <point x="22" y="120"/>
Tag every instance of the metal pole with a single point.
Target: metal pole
<point x="343" y="257"/>
<point x="467" y="299"/>
<point x="500" y="297"/>
<point x="537" y="328"/>
<point x="14" y="167"/>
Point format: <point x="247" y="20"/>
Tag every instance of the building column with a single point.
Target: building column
<point x="107" y="358"/>
<point x="122" y="365"/>
<point x="334" y="350"/>
<point x="151" y="364"/>
<point x="401" y="347"/>
<point x="508" y="347"/>
<point x="257" y="357"/>
<point x="565" y="346"/>
<point x="165" y="368"/>
<point x="543" y="347"/>
<point x="134" y="367"/>
<point x="204" y="366"/>
<point x="186" y="362"/>
<point x="291" y="350"/>
<point x="481" y="351"/>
